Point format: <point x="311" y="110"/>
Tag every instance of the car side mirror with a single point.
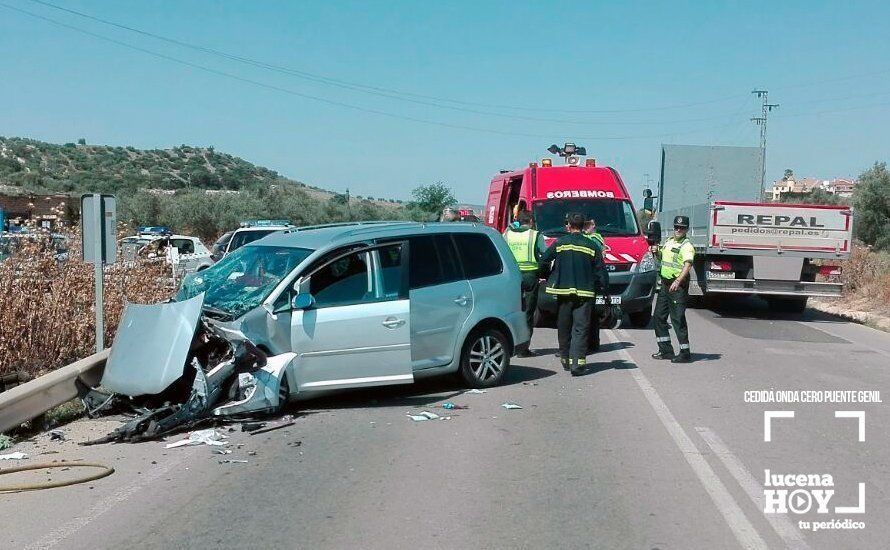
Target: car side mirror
<point x="653" y="232"/>
<point x="303" y="301"/>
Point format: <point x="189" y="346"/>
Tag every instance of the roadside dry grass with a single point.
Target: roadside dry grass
<point x="47" y="307"/>
<point x="866" y="279"/>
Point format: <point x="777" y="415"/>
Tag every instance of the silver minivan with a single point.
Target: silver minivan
<point x="368" y="304"/>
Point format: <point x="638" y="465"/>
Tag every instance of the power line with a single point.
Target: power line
<point x="766" y="107"/>
<point x="330" y="101"/>
<point x="397" y="94"/>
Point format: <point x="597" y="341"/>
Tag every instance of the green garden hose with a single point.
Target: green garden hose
<point x="106" y="471"/>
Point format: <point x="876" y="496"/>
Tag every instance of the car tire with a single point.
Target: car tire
<point x="283" y="395"/>
<point x="485" y="358"/>
<point x="641" y="319"/>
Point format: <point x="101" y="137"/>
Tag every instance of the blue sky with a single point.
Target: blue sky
<point x="645" y="73"/>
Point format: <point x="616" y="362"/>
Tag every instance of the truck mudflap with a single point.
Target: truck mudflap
<point x="772" y="287"/>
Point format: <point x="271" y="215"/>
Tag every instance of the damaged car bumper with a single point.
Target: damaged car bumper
<point x="175" y="369"/>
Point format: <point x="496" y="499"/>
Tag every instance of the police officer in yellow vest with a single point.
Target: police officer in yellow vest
<point x="527" y="245"/>
<point x="676" y="256"/>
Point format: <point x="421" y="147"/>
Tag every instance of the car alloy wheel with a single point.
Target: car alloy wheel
<point x="485" y="359"/>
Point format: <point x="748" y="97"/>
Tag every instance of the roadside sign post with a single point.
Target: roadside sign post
<point x="98" y="226"/>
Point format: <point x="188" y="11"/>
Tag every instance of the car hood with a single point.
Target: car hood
<point x="151" y="346"/>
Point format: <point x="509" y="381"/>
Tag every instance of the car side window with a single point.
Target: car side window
<point x="451" y="270"/>
<point x="392" y="274"/>
<point x="424" y="268"/>
<point x="344" y="281"/>
<point x="184" y="246"/>
<point x="479" y="256"/>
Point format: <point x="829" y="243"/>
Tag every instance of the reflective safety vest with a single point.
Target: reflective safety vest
<point x="595" y="236"/>
<point x="674" y="254"/>
<point x="522" y="245"/>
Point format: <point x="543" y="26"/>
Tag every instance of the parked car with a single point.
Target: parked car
<point x="370" y="304"/>
<point x="247" y="233"/>
<point x="152" y="242"/>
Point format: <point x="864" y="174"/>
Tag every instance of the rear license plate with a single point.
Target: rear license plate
<point x="721" y="275"/>
<point x="615" y="300"/>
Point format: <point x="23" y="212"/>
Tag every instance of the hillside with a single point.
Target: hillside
<point x="31" y="166"/>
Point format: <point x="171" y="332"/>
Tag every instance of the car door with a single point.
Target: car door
<point x="441" y="299"/>
<point x="187" y="261"/>
<point x="358" y="330"/>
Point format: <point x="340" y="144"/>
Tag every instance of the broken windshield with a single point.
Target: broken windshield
<point x="243" y="279"/>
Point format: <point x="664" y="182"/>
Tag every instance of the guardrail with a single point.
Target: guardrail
<point x="31" y="399"/>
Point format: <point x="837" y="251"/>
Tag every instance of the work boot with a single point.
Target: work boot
<point x="525" y="353"/>
<point x="578" y="368"/>
<point x="669" y="355"/>
<point x="565" y="363"/>
<point x="683" y="357"/>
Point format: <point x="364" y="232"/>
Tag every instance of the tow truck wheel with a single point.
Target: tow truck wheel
<point x="641" y="319"/>
<point x="485" y="358"/>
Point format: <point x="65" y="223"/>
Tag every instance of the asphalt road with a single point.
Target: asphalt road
<point x="635" y="454"/>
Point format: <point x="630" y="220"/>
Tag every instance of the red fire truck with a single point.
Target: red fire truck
<point x="550" y="192"/>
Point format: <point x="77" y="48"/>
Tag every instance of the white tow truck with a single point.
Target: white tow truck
<point x="784" y="253"/>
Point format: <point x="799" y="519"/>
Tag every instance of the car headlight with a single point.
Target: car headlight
<point x="647" y="263"/>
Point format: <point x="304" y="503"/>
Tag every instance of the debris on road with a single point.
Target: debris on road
<point x="230" y="461"/>
<point x="252" y="426"/>
<point x="285" y="422"/>
<point x="5" y="442"/>
<point x="223" y="451"/>
<point x="423" y="417"/>
<point x="476" y="391"/>
<point x="511" y="406"/>
<point x="199" y="371"/>
<point x="57" y="435"/>
<point x="451" y="406"/>
<point x="13" y="456"/>
<point x="200" y="437"/>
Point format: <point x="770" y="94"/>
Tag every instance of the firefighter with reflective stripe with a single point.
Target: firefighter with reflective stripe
<point x="591" y="233"/>
<point x="676" y="256"/>
<point x="593" y="338"/>
<point x="527" y="246"/>
<point x="578" y="274"/>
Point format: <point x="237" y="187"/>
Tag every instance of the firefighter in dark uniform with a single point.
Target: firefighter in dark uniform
<point x="578" y="274"/>
<point x="527" y="246"/>
<point x="593" y="337"/>
<point x="676" y="256"/>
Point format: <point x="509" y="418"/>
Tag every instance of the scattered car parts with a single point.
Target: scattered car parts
<point x="201" y="371"/>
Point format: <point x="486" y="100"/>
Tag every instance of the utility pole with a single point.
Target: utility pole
<point x="348" y="210"/>
<point x="766" y="108"/>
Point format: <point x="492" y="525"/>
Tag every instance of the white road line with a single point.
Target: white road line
<point x="787" y="531"/>
<point x="59" y="534"/>
<point x="743" y="530"/>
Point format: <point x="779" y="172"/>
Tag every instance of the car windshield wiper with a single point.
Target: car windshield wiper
<point x="216" y="312"/>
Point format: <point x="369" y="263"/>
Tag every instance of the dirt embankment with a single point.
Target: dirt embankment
<point x="866" y="299"/>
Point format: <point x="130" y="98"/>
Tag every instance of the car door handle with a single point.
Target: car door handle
<point x="392" y="322"/>
<point x="461" y="300"/>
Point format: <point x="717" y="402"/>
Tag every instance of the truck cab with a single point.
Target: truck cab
<point x="550" y="192"/>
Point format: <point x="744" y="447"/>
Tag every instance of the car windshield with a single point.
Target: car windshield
<point x="243" y="279"/>
<point x="613" y="217"/>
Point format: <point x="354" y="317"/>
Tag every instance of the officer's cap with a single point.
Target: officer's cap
<point x="681" y="221"/>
